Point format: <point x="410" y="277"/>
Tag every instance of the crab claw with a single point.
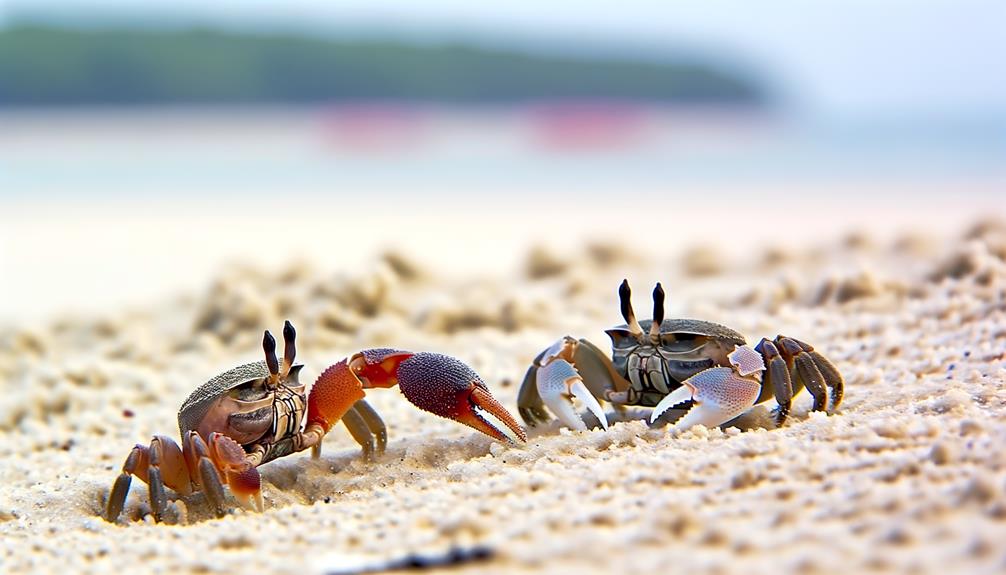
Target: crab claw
<point x="447" y="387"/>
<point x="238" y="473"/>
<point x="719" y="394"/>
<point x="340" y="386"/>
<point x="558" y="383"/>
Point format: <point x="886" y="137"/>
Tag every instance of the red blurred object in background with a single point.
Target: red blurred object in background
<point x="374" y="128"/>
<point x="587" y="126"/>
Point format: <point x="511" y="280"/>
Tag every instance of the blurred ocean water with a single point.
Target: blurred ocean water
<point x="588" y="147"/>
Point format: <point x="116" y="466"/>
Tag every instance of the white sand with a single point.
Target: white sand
<point x="910" y="476"/>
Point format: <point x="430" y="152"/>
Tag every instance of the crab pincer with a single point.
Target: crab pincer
<point x="718" y="394"/>
<point x="558" y="382"/>
<point x="433" y="382"/>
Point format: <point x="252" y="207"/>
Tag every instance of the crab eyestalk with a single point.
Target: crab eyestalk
<point x="625" y="300"/>
<point x="658" y="314"/>
<point x="289" y="349"/>
<point x="269" y="347"/>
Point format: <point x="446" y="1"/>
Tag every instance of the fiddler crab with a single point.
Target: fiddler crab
<point x="666" y="363"/>
<point x="255" y="413"/>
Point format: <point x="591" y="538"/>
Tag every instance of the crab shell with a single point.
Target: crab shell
<point x="239" y="403"/>
<point x="686" y="347"/>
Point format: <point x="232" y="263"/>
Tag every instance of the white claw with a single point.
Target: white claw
<point x="676" y="397"/>
<point x="719" y="395"/>
<point x="558" y="382"/>
<point x="580" y="391"/>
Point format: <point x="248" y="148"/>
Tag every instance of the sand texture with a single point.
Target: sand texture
<point x="908" y="476"/>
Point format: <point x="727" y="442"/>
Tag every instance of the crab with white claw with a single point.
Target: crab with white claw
<point x="665" y="363"/>
<point x="253" y="414"/>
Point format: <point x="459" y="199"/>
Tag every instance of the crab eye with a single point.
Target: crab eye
<point x="681" y="342"/>
<point x="251" y="390"/>
<point x="622" y="338"/>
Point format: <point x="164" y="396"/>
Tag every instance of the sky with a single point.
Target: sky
<point x="833" y="58"/>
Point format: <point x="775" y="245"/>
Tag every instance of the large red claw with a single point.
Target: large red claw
<point x="447" y="387"/>
<point x="379" y="367"/>
<point x="341" y="385"/>
<point x="333" y="393"/>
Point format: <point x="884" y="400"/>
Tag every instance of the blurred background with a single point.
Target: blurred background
<point x="145" y="144"/>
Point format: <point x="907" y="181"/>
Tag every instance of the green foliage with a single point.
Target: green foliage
<point x="58" y="66"/>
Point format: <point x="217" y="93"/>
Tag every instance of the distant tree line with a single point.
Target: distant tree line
<point x="53" y="66"/>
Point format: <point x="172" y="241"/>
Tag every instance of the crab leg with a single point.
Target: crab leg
<point x="358" y="428"/>
<point x="159" y="465"/>
<point x="203" y="471"/>
<point x="776" y="380"/>
<point x="830" y="375"/>
<point x="136" y="464"/>
<point x="803" y="371"/>
<point x="719" y="394"/>
<point x="374" y="423"/>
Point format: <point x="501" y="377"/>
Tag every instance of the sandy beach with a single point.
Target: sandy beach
<point x="908" y="476"/>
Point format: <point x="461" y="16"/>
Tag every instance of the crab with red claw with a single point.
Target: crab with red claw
<point x="667" y="363"/>
<point x="258" y="412"/>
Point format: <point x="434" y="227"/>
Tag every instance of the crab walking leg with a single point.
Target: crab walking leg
<point x="776" y="380"/>
<point x="830" y="375"/>
<point x="203" y="471"/>
<point x="136" y="464"/>
<point x="374" y="423"/>
<point x="167" y="469"/>
<point x="159" y="465"/>
<point x="558" y="383"/>
<point x="803" y="371"/>
<point x="360" y="431"/>
<point x="832" y="378"/>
